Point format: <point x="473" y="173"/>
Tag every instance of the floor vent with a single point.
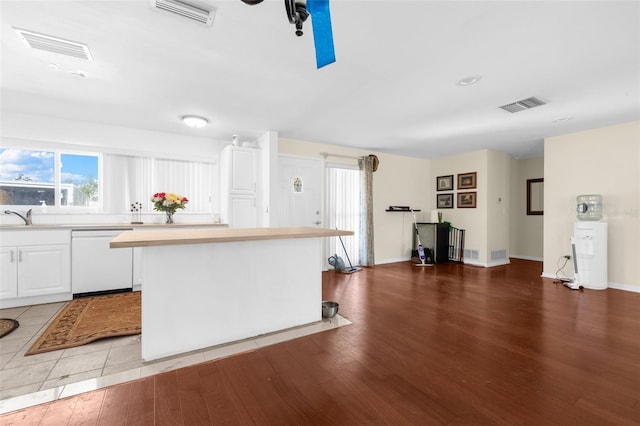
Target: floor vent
<point x="54" y="44"/>
<point x="471" y="254"/>
<point x="523" y="105"/>
<point x="498" y="254"/>
<point x="184" y="9"/>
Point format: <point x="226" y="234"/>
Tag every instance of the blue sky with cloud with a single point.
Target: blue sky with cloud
<point x="39" y="166"/>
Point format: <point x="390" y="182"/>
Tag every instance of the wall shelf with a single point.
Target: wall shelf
<point x="401" y="209"/>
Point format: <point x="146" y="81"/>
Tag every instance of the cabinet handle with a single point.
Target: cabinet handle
<point x="13" y="256"/>
<point x="19" y="255"/>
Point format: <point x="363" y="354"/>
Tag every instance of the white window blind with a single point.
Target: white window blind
<point x="131" y="179"/>
<point x="188" y="178"/>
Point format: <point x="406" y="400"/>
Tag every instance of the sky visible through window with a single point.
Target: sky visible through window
<point x="38" y="166"/>
<point x="27" y="177"/>
<point x="27" y="166"/>
<point x="78" y="168"/>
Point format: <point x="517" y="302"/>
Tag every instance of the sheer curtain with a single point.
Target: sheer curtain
<point x="365" y="164"/>
<point x="343" y="204"/>
<point x="128" y="179"/>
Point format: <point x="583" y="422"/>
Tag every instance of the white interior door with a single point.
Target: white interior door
<point x="300" y="191"/>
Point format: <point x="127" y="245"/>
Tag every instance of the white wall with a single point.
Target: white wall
<point x="473" y="221"/>
<point x="600" y="161"/>
<point x="526" y="231"/>
<point x="498" y="207"/>
<point x="398" y="181"/>
<point x="268" y="144"/>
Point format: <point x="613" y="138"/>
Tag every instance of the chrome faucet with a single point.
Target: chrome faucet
<point x="26" y="217"/>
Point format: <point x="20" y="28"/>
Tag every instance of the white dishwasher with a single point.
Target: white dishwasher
<point x="96" y="268"/>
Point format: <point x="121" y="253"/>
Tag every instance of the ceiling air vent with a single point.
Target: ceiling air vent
<point x="54" y="44"/>
<point x="523" y="105"/>
<point x="187" y="10"/>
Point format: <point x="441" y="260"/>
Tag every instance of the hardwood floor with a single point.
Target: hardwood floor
<point x="446" y="345"/>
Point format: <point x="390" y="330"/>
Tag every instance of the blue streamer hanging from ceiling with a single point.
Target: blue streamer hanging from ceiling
<point x="298" y="11"/>
<point x="322" y="32"/>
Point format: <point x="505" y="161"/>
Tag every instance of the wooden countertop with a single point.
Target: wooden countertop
<point x="206" y="236"/>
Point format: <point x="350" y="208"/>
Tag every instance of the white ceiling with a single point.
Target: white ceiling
<point x="393" y="88"/>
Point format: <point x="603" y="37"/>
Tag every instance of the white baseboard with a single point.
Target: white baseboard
<point x="487" y="264"/>
<point x="523" y="257"/>
<point x="396" y="260"/>
<point x="625" y="287"/>
<point x="616" y="286"/>
<point x="500" y="262"/>
<point x="475" y="263"/>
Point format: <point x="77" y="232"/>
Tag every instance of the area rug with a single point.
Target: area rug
<point x="87" y="319"/>
<point x="7" y="326"/>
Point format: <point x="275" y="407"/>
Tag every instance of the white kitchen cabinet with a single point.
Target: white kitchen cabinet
<point x="35" y="267"/>
<point x="43" y="270"/>
<point x="239" y="169"/>
<point x="238" y="187"/>
<point x="8" y="273"/>
<point x="242" y="211"/>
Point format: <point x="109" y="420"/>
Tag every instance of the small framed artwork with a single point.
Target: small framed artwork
<point x="466" y="200"/>
<point x="467" y="180"/>
<point x="445" y="201"/>
<point x="444" y="183"/>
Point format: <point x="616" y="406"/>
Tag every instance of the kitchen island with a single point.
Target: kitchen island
<point x="207" y="287"/>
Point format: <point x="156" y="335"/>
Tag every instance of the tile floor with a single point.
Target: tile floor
<point x="35" y="379"/>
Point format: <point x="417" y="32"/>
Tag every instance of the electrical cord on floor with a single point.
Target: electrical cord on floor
<point x="561" y="280"/>
<point x="567" y="282"/>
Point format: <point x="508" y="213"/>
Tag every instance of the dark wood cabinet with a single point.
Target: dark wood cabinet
<point x="435" y="240"/>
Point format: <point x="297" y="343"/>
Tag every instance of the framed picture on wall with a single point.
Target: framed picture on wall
<point x="445" y="201"/>
<point x="444" y="183"/>
<point x="466" y="200"/>
<point x="467" y="180"/>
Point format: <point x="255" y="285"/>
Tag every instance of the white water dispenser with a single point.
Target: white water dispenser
<point x="590" y="254"/>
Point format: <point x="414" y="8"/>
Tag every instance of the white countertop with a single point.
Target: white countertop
<point x="107" y="226"/>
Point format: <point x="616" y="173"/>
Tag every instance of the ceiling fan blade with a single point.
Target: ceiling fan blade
<point x="322" y="32"/>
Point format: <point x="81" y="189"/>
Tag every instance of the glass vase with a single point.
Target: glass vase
<point x="168" y="217"/>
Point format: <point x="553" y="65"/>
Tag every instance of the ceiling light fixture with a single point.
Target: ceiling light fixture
<point x="468" y="81"/>
<point x="194" y="121"/>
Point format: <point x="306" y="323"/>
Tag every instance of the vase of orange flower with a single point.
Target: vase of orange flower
<point x="168" y="203"/>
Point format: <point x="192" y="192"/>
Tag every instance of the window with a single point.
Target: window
<point x="29" y="177"/>
<point x="106" y="182"/>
